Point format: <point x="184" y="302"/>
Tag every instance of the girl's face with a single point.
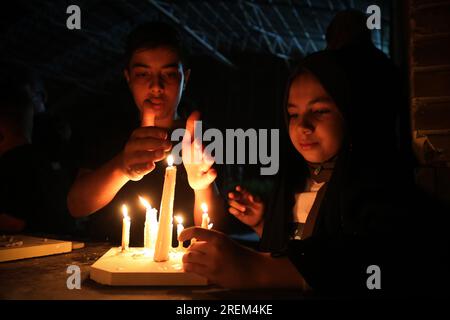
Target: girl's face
<point x="316" y="126"/>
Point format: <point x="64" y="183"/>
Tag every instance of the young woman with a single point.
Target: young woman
<point x="340" y="210"/>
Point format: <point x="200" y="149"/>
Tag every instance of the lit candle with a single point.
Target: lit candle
<point x="205" y="217"/>
<point x="180" y="228"/>
<point x="125" y="228"/>
<point x="164" y="238"/>
<point x="205" y="220"/>
<point x="151" y="224"/>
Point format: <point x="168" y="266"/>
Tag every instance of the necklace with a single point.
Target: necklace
<point x="317" y="170"/>
<point x="321" y="172"/>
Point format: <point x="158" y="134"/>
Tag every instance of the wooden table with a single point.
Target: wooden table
<point x="45" y="278"/>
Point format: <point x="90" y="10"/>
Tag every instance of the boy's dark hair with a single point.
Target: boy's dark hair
<point x="152" y="35"/>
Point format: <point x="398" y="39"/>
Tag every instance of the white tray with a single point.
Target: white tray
<point x="137" y="268"/>
<point x="31" y="247"/>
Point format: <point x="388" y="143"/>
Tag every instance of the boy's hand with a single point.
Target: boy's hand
<point x="197" y="163"/>
<point x="145" y="146"/>
<point x="219" y="259"/>
<point x="247" y="208"/>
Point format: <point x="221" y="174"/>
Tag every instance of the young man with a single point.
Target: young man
<point x="157" y="75"/>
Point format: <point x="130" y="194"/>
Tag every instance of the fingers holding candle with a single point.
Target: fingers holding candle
<point x="195" y="268"/>
<point x="199" y="238"/>
<point x="196" y="258"/>
<point x="194" y="261"/>
<point x="145" y="146"/>
<point x="199" y="233"/>
<point x="214" y="256"/>
<point x="137" y="171"/>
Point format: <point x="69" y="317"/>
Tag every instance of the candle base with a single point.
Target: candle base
<point x="136" y="267"/>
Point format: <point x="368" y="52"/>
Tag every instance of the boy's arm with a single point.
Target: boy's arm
<point x="92" y="190"/>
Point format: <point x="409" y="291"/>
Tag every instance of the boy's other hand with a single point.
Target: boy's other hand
<point x="200" y="172"/>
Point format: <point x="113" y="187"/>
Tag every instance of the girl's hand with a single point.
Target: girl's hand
<point x="198" y="164"/>
<point x="219" y="259"/>
<point x="247" y="208"/>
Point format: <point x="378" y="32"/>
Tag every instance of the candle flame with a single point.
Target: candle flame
<point x="170" y="160"/>
<point x="179" y="219"/>
<point x="204" y="207"/>
<point x="145" y="203"/>
<point x="125" y="211"/>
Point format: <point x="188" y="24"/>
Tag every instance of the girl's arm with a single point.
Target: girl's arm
<point x="230" y="265"/>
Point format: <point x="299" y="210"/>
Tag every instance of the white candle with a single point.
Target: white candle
<point x="205" y="217"/>
<point x="147" y="117"/>
<point x="205" y="220"/>
<point x="164" y="238"/>
<point x="151" y="224"/>
<point x="125" y="228"/>
<point x="180" y="228"/>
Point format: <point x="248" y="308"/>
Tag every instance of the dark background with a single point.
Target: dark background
<point x="241" y="52"/>
<point x="239" y="65"/>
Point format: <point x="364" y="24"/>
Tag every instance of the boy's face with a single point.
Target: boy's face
<point x="156" y="79"/>
<point x="316" y="126"/>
